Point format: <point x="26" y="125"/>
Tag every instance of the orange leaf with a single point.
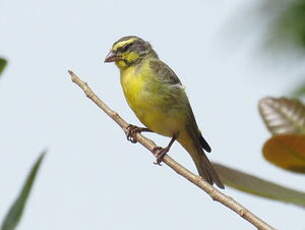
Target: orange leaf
<point x="286" y="151"/>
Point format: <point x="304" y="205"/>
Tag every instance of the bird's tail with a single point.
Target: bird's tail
<point x="202" y="163"/>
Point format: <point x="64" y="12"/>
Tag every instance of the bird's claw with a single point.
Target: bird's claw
<point x="131" y="133"/>
<point x="159" y="153"/>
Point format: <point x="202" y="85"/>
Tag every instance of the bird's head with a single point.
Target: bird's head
<point x="129" y="50"/>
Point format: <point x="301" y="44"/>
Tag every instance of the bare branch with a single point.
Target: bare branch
<point x="197" y="180"/>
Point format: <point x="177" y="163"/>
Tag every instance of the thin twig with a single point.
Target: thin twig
<point x="197" y="180"/>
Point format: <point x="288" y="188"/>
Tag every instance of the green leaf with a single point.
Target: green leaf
<point x="14" y="214"/>
<point x="299" y="91"/>
<point x="286" y="31"/>
<point x="283" y="115"/>
<point x="3" y="63"/>
<point x="259" y="187"/>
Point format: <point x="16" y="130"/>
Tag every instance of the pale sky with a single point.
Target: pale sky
<point x="92" y="178"/>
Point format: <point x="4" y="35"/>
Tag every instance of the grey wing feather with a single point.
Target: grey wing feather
<point x="164" y="72"/>
<point x="203" y="143"/>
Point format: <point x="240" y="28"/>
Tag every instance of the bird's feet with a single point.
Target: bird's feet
<point x="132" y="131"/>
<point x="159" y="153"/>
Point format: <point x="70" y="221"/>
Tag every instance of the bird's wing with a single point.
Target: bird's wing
<point x="167" y="75"/>
<point x="164" y="72"/>
<point x="193" y="126"/>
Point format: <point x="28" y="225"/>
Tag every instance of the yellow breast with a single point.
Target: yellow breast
<point x="132" y="85"/>
<point x="148" y="105"/>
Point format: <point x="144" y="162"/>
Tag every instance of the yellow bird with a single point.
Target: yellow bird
<point x="157" y="97"/>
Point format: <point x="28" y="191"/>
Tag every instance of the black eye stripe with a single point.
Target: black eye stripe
<point x="125" y="48"/>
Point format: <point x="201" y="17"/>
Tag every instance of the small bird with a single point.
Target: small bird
<point x="155" y="94"/>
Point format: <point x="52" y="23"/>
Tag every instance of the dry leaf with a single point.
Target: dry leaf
<point x="282" y="115"/>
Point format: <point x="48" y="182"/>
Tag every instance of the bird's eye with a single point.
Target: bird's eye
<point x="125" y="48"/>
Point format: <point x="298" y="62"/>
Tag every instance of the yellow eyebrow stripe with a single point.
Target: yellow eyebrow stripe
<point x="123" y="43"/>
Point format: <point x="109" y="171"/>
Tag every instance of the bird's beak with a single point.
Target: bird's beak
<point x="111" y="57"/>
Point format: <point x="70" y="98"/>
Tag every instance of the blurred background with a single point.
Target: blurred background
<point x="228" y="54"/>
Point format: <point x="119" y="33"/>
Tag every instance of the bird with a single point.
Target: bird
<point x="157" y="97"/>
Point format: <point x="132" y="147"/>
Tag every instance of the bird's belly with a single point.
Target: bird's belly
<point x="153" y="109"/>
<point x="166" y="124"/>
